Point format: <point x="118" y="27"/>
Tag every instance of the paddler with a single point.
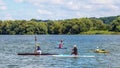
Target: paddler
<point x="74" y="50"/>
<point x="61" y="44"/>
<point x="38" y="49"/>
<point x="97" y="49"/>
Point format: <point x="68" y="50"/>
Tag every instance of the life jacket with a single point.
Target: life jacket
<point x="75" y="51"/>
<point x="38" y="48"/>
<point x="60" y="45"/>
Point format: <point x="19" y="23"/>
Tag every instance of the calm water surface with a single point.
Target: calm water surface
<point x="10" y="45"/>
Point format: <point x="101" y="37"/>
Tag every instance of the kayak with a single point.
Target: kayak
<point x="61" y="48"/>
<point x="35" y="54"/>
<point x="89" y="56"/>
<point x="101" y="51"/>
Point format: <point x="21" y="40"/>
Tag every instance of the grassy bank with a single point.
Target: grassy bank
<point x="100" y="32"/>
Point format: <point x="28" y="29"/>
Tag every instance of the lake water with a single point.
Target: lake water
<point x="10" y="45"/>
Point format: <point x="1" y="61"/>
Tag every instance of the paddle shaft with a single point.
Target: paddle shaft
<point x="35" y="43"/>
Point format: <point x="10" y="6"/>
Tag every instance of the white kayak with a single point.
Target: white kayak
<point x="89" y="56"/>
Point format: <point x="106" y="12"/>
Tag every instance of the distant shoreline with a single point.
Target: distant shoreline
<point x="82" y="33"/>
<point x="101" y="32"/>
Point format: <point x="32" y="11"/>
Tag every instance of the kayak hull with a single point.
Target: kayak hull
<point x="61" y="48"/>
<point x="100" y="51"/>
<point x="35" y="54"/>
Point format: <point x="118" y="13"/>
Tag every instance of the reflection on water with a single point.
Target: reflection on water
<point x="10" y="45"/>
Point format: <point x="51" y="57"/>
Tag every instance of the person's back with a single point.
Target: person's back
<point x="75" y="52"/>
<point x="38" y="49"/>
<point x="61" y="44"/>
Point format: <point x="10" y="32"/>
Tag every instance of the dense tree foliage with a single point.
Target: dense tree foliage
<point x="107" y="20"/>
<point x="116" y="25"/>
<point x="67" y="26"/>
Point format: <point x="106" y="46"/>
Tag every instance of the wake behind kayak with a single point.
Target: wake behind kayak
<point x="82" y="56"/>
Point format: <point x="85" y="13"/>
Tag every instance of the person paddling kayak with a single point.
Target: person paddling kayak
<point x="97" y="50"/>
<point x="61" y="44"/>
<point x="74" y="50"/>
<point x="38" y="49"/>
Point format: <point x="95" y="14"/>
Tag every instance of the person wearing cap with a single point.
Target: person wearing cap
<point x="38" y="49"/>
<point x="97" y="49"/>
<point x="74" y="50"/>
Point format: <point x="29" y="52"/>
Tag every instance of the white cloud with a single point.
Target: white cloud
<point x="44" y="3"/>
<point x="113" y="7"/>
<point x="81" y="8"/>
<point x="72" y="5"/>
<point x="102" y="1"/>
<point x="47" y="1"/>
<point x="58" y="9"/>
<point x="79" y="14"/>
<point x="1" y="2"/>
<point x="57" y="1"/>
<point x="78" y="6"/>
<point x="3" y="7"/>
<point x="106" y="1"/>
<point x="37" y="4"/>
<point x="44" y="12"/>
<point x="116" y="1"/>
<point x="103" y="7"/>
<point x="37" y="1"/>
<point x="19" y="1"/>
<point x="84" y="14"/>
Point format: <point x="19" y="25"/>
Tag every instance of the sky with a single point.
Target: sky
<point x="57" y="9"/>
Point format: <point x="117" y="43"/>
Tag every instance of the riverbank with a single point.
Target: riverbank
<point x="92" y="32"/>
<point x="100" y="32"/>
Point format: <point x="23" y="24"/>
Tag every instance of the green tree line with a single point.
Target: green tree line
<point x="67" y="26"/>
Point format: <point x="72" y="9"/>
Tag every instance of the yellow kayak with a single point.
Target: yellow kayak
<point x="101" y="51"/>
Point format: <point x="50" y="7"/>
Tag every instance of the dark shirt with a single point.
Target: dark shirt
<point x="74" y="51"/>
<point x="38" y="48"/>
